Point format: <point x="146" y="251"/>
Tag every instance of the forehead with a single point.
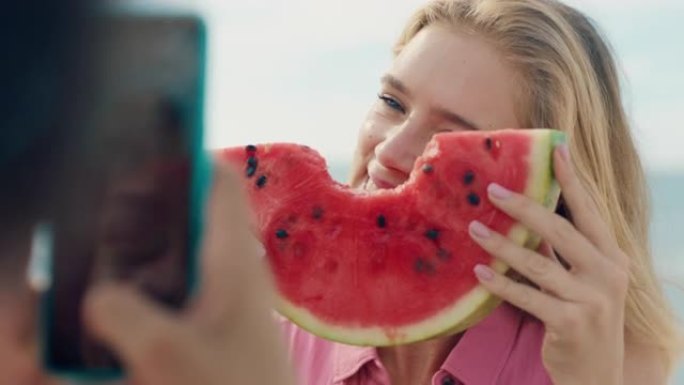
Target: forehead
<point x="460" y="72"/>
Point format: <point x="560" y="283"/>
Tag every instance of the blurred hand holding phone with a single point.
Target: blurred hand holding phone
<point x="124" y="240"/>
<point x="133" y="183"/>
<point x="115" y="139"/>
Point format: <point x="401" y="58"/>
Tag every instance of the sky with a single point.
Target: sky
<point x="307" y="70"/>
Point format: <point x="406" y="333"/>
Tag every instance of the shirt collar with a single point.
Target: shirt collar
<point x="350" y="359"/>
<point x="480" y="354"/>
<point x="476" y="359"/>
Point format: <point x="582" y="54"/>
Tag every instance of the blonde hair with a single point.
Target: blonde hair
<point x="571" y="82"/>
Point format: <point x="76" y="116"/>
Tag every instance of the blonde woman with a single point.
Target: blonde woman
<point x="492" y="64"/>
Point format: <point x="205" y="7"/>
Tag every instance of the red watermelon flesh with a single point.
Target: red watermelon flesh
<point x="390" y="266"/>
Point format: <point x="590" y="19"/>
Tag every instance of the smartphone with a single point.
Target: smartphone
<point x="132" y="185"/>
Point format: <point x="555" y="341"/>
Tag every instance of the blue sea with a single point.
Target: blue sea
<point x="667" y="230"/>
<point x="667" y="234"/>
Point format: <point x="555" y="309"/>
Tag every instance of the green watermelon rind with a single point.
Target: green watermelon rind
<point x="472" y="307"/>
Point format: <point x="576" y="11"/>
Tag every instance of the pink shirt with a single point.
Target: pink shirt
<point x="503" y="349"/>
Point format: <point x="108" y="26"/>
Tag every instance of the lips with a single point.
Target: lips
<point x="381" y="183"/>
<point x="380" y="177"/>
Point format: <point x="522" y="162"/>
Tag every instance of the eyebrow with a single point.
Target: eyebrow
<point x="395" y="83"/>
<point x="453" y="117"/>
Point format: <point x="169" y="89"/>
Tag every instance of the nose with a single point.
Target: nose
<point x="401" y="146"/>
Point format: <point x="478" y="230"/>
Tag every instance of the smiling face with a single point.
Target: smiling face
<point x="442" y="80"/>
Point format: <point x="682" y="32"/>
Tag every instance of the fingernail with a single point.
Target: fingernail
<point x="479" y="230"/>
<point x="565" y="151"/>
<point x="483" y="272"/>
<point x="498" y="191"/>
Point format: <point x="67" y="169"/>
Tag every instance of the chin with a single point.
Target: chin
<point x="366" y="184"/>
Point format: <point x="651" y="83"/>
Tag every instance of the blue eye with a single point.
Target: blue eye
<point x="391" y="103"/>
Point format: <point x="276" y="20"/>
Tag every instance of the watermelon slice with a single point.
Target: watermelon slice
<point x="391" y="266"/>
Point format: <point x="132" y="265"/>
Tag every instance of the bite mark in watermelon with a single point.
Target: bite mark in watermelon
<point x="391" y="266"/>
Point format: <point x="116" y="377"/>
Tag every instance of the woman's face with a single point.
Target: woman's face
<point x="441" y="81"/>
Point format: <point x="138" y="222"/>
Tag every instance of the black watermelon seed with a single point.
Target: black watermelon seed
<point x="432" y="234"/>
<point x="419" y="265"/>
<point x="427" y="168"/>
<point x="468" y="177"/>
<point x="488" y="143"/>
<point x="317" y="212"/>
<point x="261" y="181"/>
<point x="251" y="166"/>
<point x="381" y="221"/>
<point x="443" y="254"/>
<point x="250" y="148"/>
<point x="423" y="266"/>
<point x="473" y="199"/>
<point x="281" y="234"/>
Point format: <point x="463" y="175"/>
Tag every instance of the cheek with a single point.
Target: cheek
<point x="371" y="134"/>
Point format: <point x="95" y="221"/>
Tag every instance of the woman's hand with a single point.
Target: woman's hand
<point x="226" y="336"/>
<point x="582" y="308"/>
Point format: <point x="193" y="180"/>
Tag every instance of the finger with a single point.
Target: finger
<point x="558" y="231"/>
<point x="533" y="301"/>
<point x="546" y="250"/>
<point x="155" y="347"/>
<point x="543" y="271"/>
<point x="18" y="350"/>
<point x="583" y="209"/>
<point x="128" y="322"/>
<point x="230" y="263"/>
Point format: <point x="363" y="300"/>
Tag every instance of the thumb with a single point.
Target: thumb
<point x="232" y="273"/>
<point x="133" y="326"/>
